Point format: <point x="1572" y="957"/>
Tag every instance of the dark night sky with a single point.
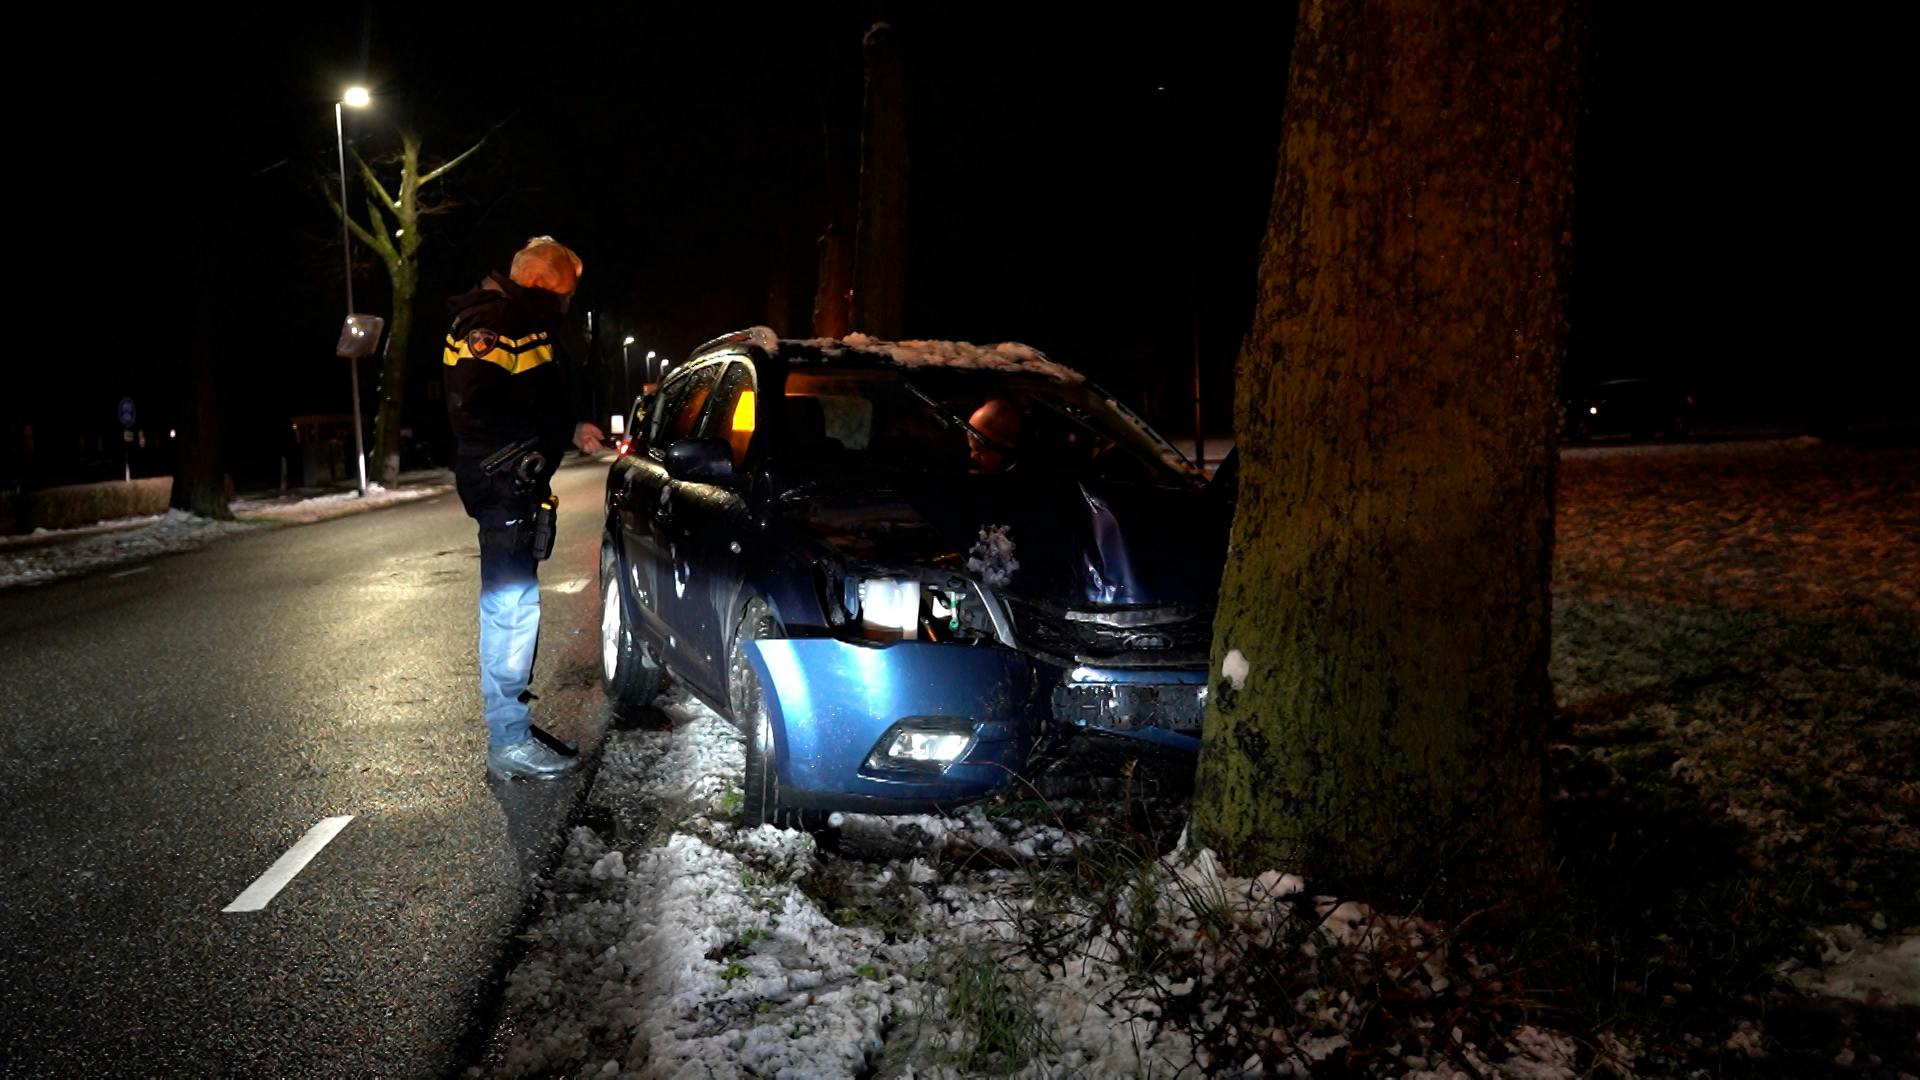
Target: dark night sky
<point x="1059" y="196"/>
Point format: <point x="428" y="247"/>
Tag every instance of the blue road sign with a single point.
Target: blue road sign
<point x="126" y="412"/>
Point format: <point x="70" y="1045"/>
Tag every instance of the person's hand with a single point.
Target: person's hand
<point x="589" y="438"/>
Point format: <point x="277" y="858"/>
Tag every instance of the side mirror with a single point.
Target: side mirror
<point x="703" y="460"/>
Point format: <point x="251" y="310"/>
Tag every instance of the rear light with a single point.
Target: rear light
<point x="623" y="446"/>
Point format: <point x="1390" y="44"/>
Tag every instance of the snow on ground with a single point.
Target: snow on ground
<point x="675" y="944"/>
<point x="1874" y="971"/>
<point x="135" y="540"/>
<point x="49" y="555"/>
<point x="307" y="509"/>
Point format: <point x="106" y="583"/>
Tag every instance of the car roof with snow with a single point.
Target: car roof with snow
<point x="1009" y="357"/>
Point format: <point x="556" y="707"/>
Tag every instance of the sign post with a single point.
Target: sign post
<point x="126" y="438"/>
<point x="357" y="338"/>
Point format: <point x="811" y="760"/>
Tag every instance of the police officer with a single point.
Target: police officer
<point x="507" y="385"/>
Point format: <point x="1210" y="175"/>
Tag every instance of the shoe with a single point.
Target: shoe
<point x="528" y="760"/>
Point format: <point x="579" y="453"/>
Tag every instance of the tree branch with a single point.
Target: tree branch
<point x="387" y="201"/>
<point x="469" y="152"/>
<point x="464" y="155"/>
<point x="359" y="230"/>
<point x="380" y="241"/>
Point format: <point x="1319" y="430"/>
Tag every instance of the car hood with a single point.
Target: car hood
<point x="1069" y="541"/>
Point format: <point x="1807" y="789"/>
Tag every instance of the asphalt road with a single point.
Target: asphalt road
<point x="166" y="735"/>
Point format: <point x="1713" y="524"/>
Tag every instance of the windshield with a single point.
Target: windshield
<point x="934" y="421"/>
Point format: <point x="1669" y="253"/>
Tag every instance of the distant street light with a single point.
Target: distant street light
<point x="358" y="97"/>
<point x="651" y="378"/>
<point x="626" y="370"/>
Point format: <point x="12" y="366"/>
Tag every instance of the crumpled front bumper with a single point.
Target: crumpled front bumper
<point x="831" y="702"/>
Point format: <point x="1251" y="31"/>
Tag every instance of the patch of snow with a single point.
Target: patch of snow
<point x="55" y="554"/>
<point x="150" y="538"/>
<point x="992" y="556"/>
<point x="1234" y="669"/>
<point x="693" y="947"/>
<point x="1874" y="971"/>
<point x="1008" y="356"/>
<point x="306" y="511"/>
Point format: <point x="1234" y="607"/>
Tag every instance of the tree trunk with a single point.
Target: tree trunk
<point x="839" y="205"/>
<point x="832" y="299"/>
<point x="1387" y="587"/>
<point x="880" y="266"/>
<point x="393" y="375"/>
<point x="199" y="472"/>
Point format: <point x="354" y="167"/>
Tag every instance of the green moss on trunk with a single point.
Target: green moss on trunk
<point x="1388" y="583"/>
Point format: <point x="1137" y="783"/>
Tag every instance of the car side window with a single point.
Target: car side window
<point x="637" y="420"/>
<point x="681" y="402"/>
<point x="733" y="412"/>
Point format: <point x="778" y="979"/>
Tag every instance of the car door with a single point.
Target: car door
<point x="715" y="531"/>
<point x="648" y="531"/>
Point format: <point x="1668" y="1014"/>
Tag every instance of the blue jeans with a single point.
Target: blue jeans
<point x="509" y="623"/>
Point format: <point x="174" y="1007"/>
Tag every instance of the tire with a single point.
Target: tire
<point x="629" y="671"/>
<point x="746" y="699"/>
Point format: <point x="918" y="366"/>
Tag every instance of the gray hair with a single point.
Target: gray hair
<point x="546" y="263"/>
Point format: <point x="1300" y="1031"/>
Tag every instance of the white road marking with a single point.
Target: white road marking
<point x="269" y="884"/>
<point x="573" y="585"/>
<point x="130" y="573"/>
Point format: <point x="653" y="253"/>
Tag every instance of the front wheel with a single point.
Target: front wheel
<point x="746" y="699"/>
<point x="629" y="671"/>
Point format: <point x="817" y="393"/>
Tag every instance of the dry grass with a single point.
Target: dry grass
<point x="84" y="504"/>
<point x="1737" y="665"/>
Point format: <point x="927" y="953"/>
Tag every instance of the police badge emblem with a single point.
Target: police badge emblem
<point x="481" y="342"/>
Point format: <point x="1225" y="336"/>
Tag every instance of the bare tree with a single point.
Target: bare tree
<point x="1379" y="713"/>
<point x="392" y="230"/>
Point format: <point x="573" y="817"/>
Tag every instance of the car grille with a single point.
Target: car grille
<point x="1128" y="637"/>
<point x="1130" y="706"/>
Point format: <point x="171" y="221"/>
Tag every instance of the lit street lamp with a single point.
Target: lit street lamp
<point x="626" y="370"/>
<point x="651" y="377"/>
<point x="357" y="97"/>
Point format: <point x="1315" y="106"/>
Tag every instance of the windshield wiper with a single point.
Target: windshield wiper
<point x="952" y="419"/>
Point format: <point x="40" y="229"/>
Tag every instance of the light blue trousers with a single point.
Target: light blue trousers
<point x="509" y="630"/>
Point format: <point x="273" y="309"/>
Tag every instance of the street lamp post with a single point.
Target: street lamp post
<point x="357" y="97"/>
<point x="626" y="372"/>
<point x="651" y="377"/>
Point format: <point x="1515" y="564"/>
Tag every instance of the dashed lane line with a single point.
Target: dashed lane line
<point x="268" y="885"/>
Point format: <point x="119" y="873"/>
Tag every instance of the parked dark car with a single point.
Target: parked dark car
<point x="1641" y="408"/>
<point x="797" y="531"/>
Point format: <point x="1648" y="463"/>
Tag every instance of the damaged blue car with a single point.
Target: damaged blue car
<point x="916" y="574"/>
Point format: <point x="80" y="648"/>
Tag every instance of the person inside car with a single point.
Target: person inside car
<point x="993" y="437"/>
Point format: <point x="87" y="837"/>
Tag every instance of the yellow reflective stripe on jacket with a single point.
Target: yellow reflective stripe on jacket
<point x="513" y="355"/>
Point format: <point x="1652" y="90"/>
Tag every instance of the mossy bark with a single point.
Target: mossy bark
<point x="393" y="376"/>
<point x="401" y="254"/>
<point x="1388" y="581"/>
